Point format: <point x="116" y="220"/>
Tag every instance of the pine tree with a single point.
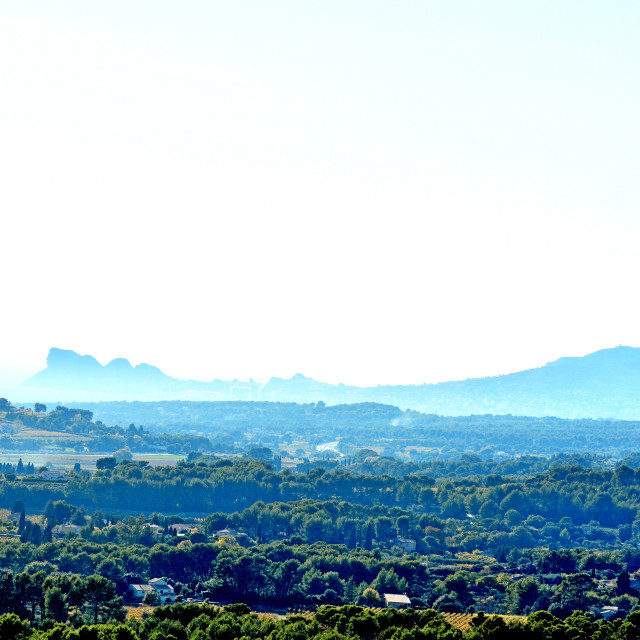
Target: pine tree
<point x="55" y="604"/>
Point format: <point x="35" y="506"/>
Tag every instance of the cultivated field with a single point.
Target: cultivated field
<point x="462" y="621"/>
<point x="87" y="460"/>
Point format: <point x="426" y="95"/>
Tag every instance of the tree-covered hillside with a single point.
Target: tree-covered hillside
<point x="407" y="435"/>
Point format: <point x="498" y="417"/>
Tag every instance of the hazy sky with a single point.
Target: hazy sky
<point x="361" y="191"/>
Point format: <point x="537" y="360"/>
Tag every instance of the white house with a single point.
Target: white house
<point x="156" y="529"/>
<point x="406" y="544"/>
<point x="238" y="535"/>
<point x="396" y="600"/>
<point x="52" y="476"/>
<point x="183" y="529"/>
<point x="165" y="591"/>
<point x="63" y="529"/>
<point x="139" y="591"/>
<point x="157" y="585"/>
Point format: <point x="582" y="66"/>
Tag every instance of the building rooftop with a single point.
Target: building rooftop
<point x="396" y="598"/>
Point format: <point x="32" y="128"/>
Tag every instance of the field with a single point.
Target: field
<point x="64" y="461"/>
<point x="32" y="444"/>
<point x="462" y="621"/>
<point x="26" y="434"/>
<point x="138" y="612"/>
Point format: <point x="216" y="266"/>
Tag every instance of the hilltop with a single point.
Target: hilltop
<point x="604" y="384"/>
<point x="68" y="370"/>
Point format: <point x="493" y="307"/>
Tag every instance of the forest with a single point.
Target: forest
<point x="563" y="540"/>
<point x="607" y="496"/>
<point x="459" y="536"/>
<point x="407" y="435"/>
<point x="296" y="433"/>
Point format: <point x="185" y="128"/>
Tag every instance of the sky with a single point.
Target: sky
<point x="367" y="192"/>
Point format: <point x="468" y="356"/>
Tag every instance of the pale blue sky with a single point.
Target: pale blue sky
<point x="367" y="192"/>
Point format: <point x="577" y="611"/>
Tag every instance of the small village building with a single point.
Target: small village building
<point x="63" y="529"/>
<point x="608" y="612"/>
<point x="157" y="585"/>
<point x="156" y="529"/>
<point x="396" y="600"/>
<point x="139" y="591"/>
<point x="164" y="590"/>
<point x="52" y="476"/>
<point x="183" y="529"/>
<point x="231" y="533"/>
<point x="406" y="544"/>
<point x="606" y="585"/>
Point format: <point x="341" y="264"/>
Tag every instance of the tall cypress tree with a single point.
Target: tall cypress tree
<point x="47" y="534"/>
<point x="25" y="536"/>
<point x="35" y="535"/>
<point x="368" y="536"/>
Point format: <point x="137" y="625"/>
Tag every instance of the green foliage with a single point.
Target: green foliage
<point x="106" y="463"/>
<point x="12" y="628"/>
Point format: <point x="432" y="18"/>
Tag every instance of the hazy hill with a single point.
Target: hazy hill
<point x="600" y="385"/>
<point x="68" y="371"/>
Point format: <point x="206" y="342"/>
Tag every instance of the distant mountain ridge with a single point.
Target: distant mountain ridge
<point x="604" y="384"/>
<point x="69" y="370"/>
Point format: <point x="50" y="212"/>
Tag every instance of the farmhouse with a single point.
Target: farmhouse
<point x="183" y="529"/>
<point x="157" y="585"/>
<point x="156" y="529"/>
<point x="63" y="529"/>
<point x="238" y="535"/>
<point x="396" y="601"/>
<point x="139" y="591"/>
<point x="52" y="476"/>
<point x="406" y="544"/>
<point x="608" y="612"/>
